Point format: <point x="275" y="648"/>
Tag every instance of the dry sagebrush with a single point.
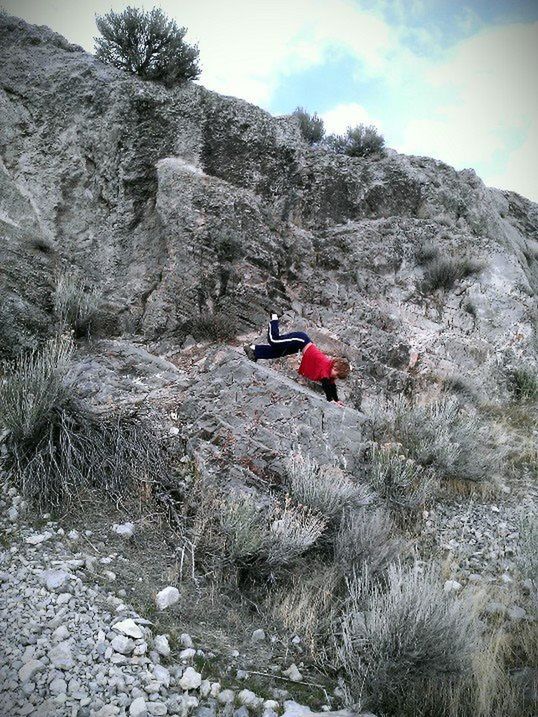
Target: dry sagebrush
<point x="325" y="489"/>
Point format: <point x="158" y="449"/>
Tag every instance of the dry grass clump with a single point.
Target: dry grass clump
<point x="523" y="383"/>
<point x="528" y="548"/>
<point x="243" y="525"/>
<point x="56" y="446"/>
<point x="442" y="272"/>
<point x="76" y="306"/>
<point x="218" y="326"/>
<point x="326" y="489"/>
<point x="397" y="641"/>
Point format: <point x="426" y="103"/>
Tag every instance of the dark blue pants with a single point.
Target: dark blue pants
<point x="281" y="344"/>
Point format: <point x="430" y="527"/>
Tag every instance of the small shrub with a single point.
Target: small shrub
<point x="400" y="480"/>
<point x="229" y="248"/>
<point x="523" y="383"/>
<point x="75" y="306"/>
<point x="212" y="327"/>
<point x="293" y="529"/>
<point x="56" y="446"/>
<point x="528" y="548"/>
<point x="311" y="126"/>
<point x="366" y="542"/>
<point x="243" y="526"/>
<point x="399" y="642"/>
<point x="147" y="44"/>
<point x="442" y="272"/>
<point x="440" y="435"/>
<point x="325" y="489"/>
<point x="359" y="141"/>
<point x="426" y="252"/>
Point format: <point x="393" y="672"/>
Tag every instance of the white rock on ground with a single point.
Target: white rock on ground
<point x="129" y="627"/>
<point x="126" y="530"/>
<point x="166" y="597"/>
<point x="190" y="679"/>
<point x="160" y="643"/>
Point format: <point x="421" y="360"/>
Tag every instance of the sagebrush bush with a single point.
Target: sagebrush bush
<point x="400" y="640"/>
<point x="366" y="541"/>
<point x="244" y="527"/>
<point x="402" y="482"/>
<point x="311" y="126"/>
<point x="76" y="307"/>
<point x="325" y="489"/>
<point x="293" y="529"/>
<point x="360" y="141"/>
<point x="56" y="446"/>
<point x="441" y="435"/>
<point x="147" y="44"/>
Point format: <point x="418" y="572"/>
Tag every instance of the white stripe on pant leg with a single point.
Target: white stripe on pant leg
<point x="283" y="341"/>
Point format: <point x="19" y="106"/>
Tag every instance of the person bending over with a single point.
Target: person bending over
<point x="315" y="365"/>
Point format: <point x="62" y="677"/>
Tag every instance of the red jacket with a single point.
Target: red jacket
<point x="315" y="365"/>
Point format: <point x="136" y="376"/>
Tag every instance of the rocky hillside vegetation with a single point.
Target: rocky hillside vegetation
<point x="187" y="532"/>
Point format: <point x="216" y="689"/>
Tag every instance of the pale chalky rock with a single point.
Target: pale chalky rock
<point x="187" y="654"/>
<point x="129" y="627"/>
<point x="162" y="675"/>
<point x="186" y="640"/>
<point x="226" y="697"/>
<point x="294" y="709"/>
<point x="452" y="586"/>
<point x="126" y="530"/>
<point x="58" y="686"/>
<point x="60" y="656"/>
<point x="293" y="673"/>
<point x="166" y="597"/>
<point x="36" y="539"/>
<point x="54" y="579"/>
<point x="258" y="635"/>
<point x="138" y="708"/>
<point x="60" y="634"/>
<point x="190" y="680"/>
<point x="161" y="645"/>
<point x="29" y="669"/>
<point x="122" y="644"/>
<point x="157" y="709"/>
<point x="249" y="699"/>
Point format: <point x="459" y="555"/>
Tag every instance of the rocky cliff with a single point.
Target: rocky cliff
<point x="183" y="203"/>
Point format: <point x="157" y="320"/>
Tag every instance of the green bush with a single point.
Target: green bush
<point x="147" y="44"/>
<point x="311" y="126"/>
<point x="359" y="141"/>
<point x="293" y="529"/>
<point x="406" y="645"/>
<point x="244" y="527"/>
<point x="56" y="446"/>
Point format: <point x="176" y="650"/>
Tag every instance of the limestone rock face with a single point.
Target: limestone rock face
<point x="179" y="204"/>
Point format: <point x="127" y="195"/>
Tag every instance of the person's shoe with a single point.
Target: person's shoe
<point x="274" y="317"/>
<point x="249" y="350"/>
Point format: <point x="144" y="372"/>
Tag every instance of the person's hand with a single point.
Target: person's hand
<point x="339" y="403"/>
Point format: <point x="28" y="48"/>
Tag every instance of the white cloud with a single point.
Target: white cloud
<point x="339" y="118"/>
<point x="247" y="47"/>
<point x="492" y="78"/>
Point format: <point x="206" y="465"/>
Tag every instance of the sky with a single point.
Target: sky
<point x="453" y="80"/>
